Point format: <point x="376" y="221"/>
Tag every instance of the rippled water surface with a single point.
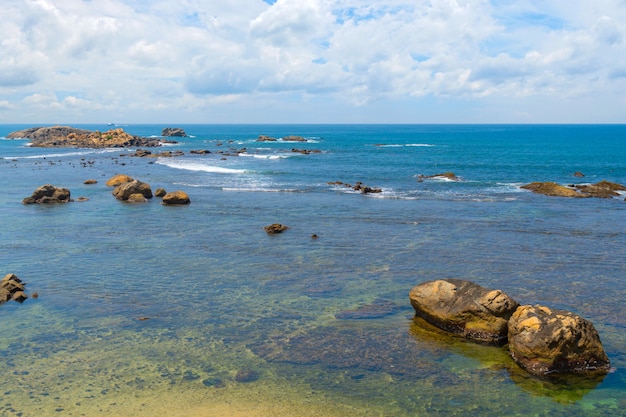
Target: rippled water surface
<point x="151" y="310"/>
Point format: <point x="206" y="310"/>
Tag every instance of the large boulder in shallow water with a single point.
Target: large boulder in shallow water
<point x="464" y="308"/>
<point x="125" y="190"/>
<point x="176" y="198"/>
<point x="48" y="194"/>
<point x="544" y="341"/>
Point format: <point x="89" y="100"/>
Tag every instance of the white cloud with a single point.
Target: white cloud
<point x="137" y="59"/>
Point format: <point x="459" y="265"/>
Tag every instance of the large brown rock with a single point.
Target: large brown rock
<point x="126" y="190"/>
<point x="176" y="197"/>
<point x="544" y="341"/>
<point x="48" y="194"/>
<point x="464" y="308"/>
<point x="602" y="189"/>
<point x="118" y="179"/>
<point x="12" y="288"/>
<point x="553" y="189"/>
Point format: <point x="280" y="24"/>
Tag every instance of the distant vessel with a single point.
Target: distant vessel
<point x="110" y="124"/>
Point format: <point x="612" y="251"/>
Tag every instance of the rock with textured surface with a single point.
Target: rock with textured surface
<point x="176" y="198"/>
<point x="464" y="308"/>
<point x="12" y="288"/>
<point x="173" y="131"/>
<point x="125" y="190"/>
<point x="48" y="194"/>
<point x="275" y="228"/>
<point x="118" y="179"/>
<point x="544" y="341"/>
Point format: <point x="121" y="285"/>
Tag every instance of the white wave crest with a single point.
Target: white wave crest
<point x="198" y="166"/>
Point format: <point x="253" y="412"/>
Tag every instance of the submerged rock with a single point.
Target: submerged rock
<point x="464" y="308"/>
<point x="377" y="309"/>
<point x="544" y="341"/>
<point x="48" y="194"/>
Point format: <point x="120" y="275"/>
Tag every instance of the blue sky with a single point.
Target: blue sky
<point x="303" y="61"/>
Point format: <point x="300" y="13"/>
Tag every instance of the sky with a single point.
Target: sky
<point x="312" y="61"/>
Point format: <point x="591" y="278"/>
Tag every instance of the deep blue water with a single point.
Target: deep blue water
<point x="221" y="296"/>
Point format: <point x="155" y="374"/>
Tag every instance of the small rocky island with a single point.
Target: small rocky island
<point x="70" y="137"/>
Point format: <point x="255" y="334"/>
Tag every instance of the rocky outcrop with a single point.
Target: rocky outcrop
<point x="160" y="192"/>
<point x="464" y="308"/>
<point x="294" y="138"/>
<point x="173" y="131"/>
<point x="451" y="176"/>
<point x="265" y="138"/>
<point x="602" y="189"/>
<point x="363" y="189"/>
<point x="126" y="190"/>
<point x="275" y="228"/>
<point x="68" y="137"/>
<point x="118" y="179"/>
<point x="176" y="198"/>
<point x="12" y="288"/>
<point x="543" y="341"/>
<point x="48" y="194"/>
<point x="553" y="189"/>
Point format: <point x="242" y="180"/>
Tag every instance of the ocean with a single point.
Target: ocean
<point x="153" y="310"/>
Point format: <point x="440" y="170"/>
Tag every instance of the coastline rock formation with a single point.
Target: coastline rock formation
<point x="12" y="288"/>
<point x="48" y="194"/>
<point x="464" y="308"/>
<point x="544" y="341"/>
<point x="176" y="198"/>
<point x="69" y="137"/>
<point x="173" y="131"/>
<point x="128" y="190"/>
<point x="602" y="189"/>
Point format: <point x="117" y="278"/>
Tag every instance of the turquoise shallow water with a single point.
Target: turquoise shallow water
<point x="199" y="308"/>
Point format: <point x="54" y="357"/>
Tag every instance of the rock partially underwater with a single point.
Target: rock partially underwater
<point x="544" y="341"/>
<point x="48" y="194"/>
<point x="464" y="308"/>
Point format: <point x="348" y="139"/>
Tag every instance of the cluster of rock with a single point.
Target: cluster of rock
<point x="363" y="189"/>
<point x="134" y="191"/>
<point x="65" y="136"/>
<point x="540" y="340"/>
<point x="173" y="131"/>
<point x="12" y="288"/>
<point x="48" y="194"/>
<point x="126" y="189"/>
<point x="602" y="189"/>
